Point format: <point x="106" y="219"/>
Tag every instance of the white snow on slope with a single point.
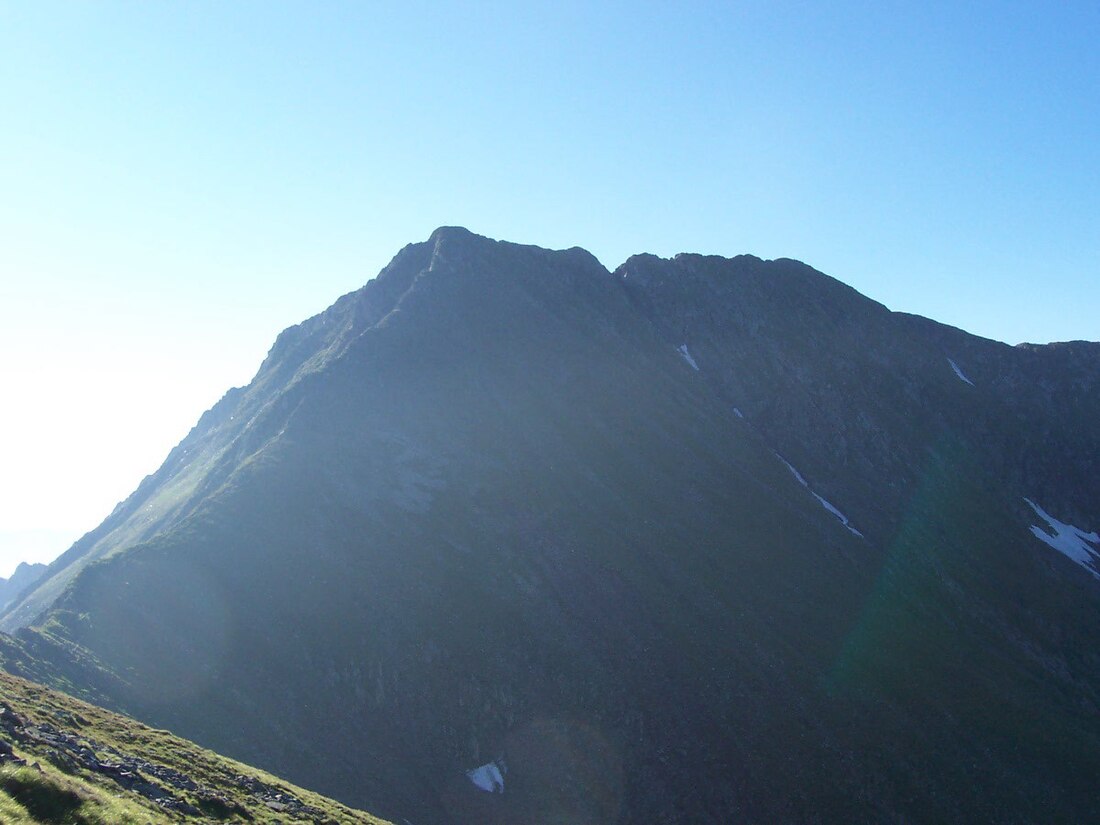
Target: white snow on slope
<point x="489" y="777"/>
<point x="843" y="518"/>
<point x="794" y="472"/>
<point x="959" y="372"/>
<point x="683" y="350"/>
<point x="1069" y="540"/>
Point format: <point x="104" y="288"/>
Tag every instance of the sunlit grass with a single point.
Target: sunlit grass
<point x="44" y="795"/>
<point x="74" y="795"/>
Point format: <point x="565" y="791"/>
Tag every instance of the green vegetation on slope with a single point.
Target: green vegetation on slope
<point x="32" y="794"/>
<point x="67" y="762"/>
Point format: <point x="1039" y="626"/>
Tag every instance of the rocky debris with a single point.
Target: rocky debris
<point x="10" y="723"/>
<point x="7" y="756"/>
<point x="165" y="774"/>
<point x="73" y="719"/>
<point x="277" y="799"/>
<point x="183" y="807"/>
<point x="72" y="754"/>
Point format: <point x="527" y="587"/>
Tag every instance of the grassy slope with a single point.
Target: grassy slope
<point x="62" y="790"/>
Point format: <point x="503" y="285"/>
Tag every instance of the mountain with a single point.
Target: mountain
<point x="24" y="576"/>
<point x="697" y="540"/>
<point x="65" y="761"/>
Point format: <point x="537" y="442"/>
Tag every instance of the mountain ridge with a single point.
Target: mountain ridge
<point x="501" y="499"/>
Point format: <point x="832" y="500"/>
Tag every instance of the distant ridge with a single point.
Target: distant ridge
<point x="24" y="576"/>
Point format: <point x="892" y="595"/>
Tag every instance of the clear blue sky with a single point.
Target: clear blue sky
<point x="180" y="181"/>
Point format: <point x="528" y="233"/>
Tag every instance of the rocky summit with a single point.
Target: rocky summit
<point x="506" y="537"/>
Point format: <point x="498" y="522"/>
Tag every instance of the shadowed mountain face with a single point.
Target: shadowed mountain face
<point x="698" y="540"/>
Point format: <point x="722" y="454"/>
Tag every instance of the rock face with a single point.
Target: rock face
<point x="697" y="540"/>
<point x="24" y="576"/>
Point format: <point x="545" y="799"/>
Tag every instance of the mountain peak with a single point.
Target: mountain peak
<point x="455" y="236"/>
<point x="446" y="240"/>
<point x="453" y="233"/>
<point x="708" y="528"/>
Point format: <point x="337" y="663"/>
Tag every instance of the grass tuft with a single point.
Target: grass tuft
<point x="44" y="798"/>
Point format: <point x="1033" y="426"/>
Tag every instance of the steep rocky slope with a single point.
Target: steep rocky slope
<point x="697" y="540"/>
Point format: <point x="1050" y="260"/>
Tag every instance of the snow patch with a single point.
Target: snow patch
<point x="959" y="372"/>
<point x="839" y="515"/>
<point x="489" y="777"/>
<point x="683" y="350"/>
<point x="1068" y="540"/>
<point x="794" y="472"/>
<point x="843" y="518"/>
